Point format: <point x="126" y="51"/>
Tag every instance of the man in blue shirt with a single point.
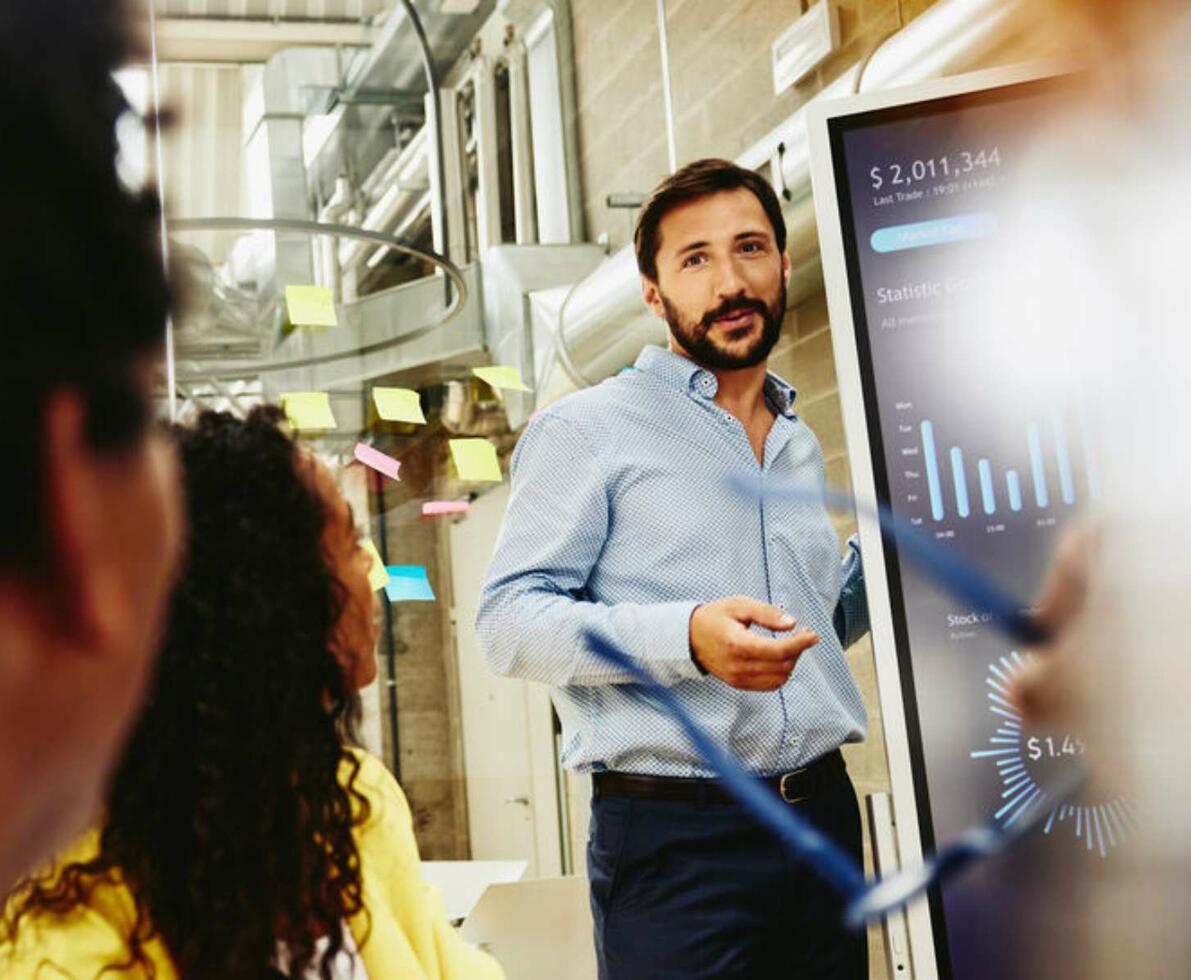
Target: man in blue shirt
<point x="621" y="521"/>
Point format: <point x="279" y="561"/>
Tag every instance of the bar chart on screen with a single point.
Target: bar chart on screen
<point x="1037" y="469"/>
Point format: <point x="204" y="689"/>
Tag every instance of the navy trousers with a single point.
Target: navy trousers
<point x="700" y="890"/>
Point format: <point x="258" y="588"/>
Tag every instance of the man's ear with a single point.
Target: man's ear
<point x="786" y="268"/>
<point x="80" y="579"/>
<point x="653" y="297"/>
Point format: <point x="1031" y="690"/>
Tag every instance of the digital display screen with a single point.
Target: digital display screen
<point x="980" y="463"/>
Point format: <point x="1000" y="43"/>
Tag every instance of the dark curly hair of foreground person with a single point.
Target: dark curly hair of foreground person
<point x="227" y="818"/>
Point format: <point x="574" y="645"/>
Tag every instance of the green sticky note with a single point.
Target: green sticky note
<point x="475" y="460"/>
<point x="310" y="306"/>
<point x="309" y="410"/>
<point x="378" y="576"/>
<point x="398" y="405"/>
<point x="501" y="376"/>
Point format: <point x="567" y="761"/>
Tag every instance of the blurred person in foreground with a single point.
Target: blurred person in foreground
<point x="246" y="835"/>
<point x="1108" y="257"/>
<point x="89" y="512"/>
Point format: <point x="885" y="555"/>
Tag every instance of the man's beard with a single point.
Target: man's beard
<point x="696" y="337"/>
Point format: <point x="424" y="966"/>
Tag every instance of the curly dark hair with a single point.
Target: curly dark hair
<point x="228" y="819"/>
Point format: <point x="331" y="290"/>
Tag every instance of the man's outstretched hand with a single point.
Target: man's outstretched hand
<point x="724" y="646"/>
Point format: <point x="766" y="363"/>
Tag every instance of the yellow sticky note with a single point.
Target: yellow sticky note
<point x="398" y="405"/>
<point x="310" y="306"/>
<point x="378" y="576"/>
<point x="501" y="376"/>
<point x="309" y="410"/>
<point x="475" y="460"/>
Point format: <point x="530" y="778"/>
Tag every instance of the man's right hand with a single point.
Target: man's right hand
<point x="724" y="646"/>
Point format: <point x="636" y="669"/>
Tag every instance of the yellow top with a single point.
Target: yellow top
<point x="403" y="931"/>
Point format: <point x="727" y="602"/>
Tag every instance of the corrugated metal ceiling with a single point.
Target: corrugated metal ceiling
<point x="328" y="10"/>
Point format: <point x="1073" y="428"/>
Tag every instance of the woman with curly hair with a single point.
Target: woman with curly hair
<point x="244" y="835"/>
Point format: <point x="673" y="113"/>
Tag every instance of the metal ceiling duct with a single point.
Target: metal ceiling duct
<point x="326" y="11"/>
<point x="392" y="333"/>
<point x="365" y="130"/>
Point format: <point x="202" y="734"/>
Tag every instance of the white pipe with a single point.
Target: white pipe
<point x="382" y="173"/>
<point x="336" y="207"/>
<point x="950" y="37"/>
<point x="667" y="97"/>
<point x="603" y="321"/>
<point x="487" y="199"/>
<point x="524" y="214"/>
<point x="408" y="166"/>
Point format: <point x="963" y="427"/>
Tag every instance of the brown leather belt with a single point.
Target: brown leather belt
<point x="797" y="786"/>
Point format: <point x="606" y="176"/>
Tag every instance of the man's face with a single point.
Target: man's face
<point x="721" y="282"/>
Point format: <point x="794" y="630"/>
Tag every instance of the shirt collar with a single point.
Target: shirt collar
<point x="684" y="374"/>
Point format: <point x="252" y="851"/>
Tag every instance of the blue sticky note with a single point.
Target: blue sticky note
<point x="408" y="583"/>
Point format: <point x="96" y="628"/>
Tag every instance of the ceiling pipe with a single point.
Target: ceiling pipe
<point x="435" y="105"/>
<point x="667" y="98"/>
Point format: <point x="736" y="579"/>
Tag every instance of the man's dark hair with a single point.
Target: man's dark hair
<point x="83" y="294"/>
<point x="695" y="180"/>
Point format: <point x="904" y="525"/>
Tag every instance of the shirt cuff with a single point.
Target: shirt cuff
<point x="669" y="645"/>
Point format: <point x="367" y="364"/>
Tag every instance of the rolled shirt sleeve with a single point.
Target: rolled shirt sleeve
<point x="851" y="612"/>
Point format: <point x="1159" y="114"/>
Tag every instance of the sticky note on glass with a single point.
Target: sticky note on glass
<point x="398" y="405"/>
<point x="475" y="460"/>
<point x="309" y="410"/>
<point x="378" y="575"/>
<point x="408" y="583"/>
<point x="374" y="458"/>
<point x="310" y="306"/>
<point x="439" y="508"/>
<point x="501" y="376"/>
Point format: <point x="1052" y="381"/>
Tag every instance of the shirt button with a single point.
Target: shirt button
<point x="792" y="740"/>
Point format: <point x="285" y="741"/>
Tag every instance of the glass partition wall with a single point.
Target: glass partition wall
<point x="376" y="202"/>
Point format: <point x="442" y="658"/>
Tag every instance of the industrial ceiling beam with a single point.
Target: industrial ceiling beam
<point x="244" y="40"/>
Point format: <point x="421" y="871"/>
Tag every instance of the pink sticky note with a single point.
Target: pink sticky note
<point x="378" y="460"/>
<point x="436" y="508"/>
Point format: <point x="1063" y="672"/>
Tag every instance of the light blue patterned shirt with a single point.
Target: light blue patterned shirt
<point x="620" y="521"/>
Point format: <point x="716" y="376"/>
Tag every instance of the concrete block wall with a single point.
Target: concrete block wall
<point x="721" y="81"/>
<point x="429" y="751"/>
<point x="430" y="746"/>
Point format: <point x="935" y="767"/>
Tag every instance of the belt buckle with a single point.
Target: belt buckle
<point x="786" y="798"/>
